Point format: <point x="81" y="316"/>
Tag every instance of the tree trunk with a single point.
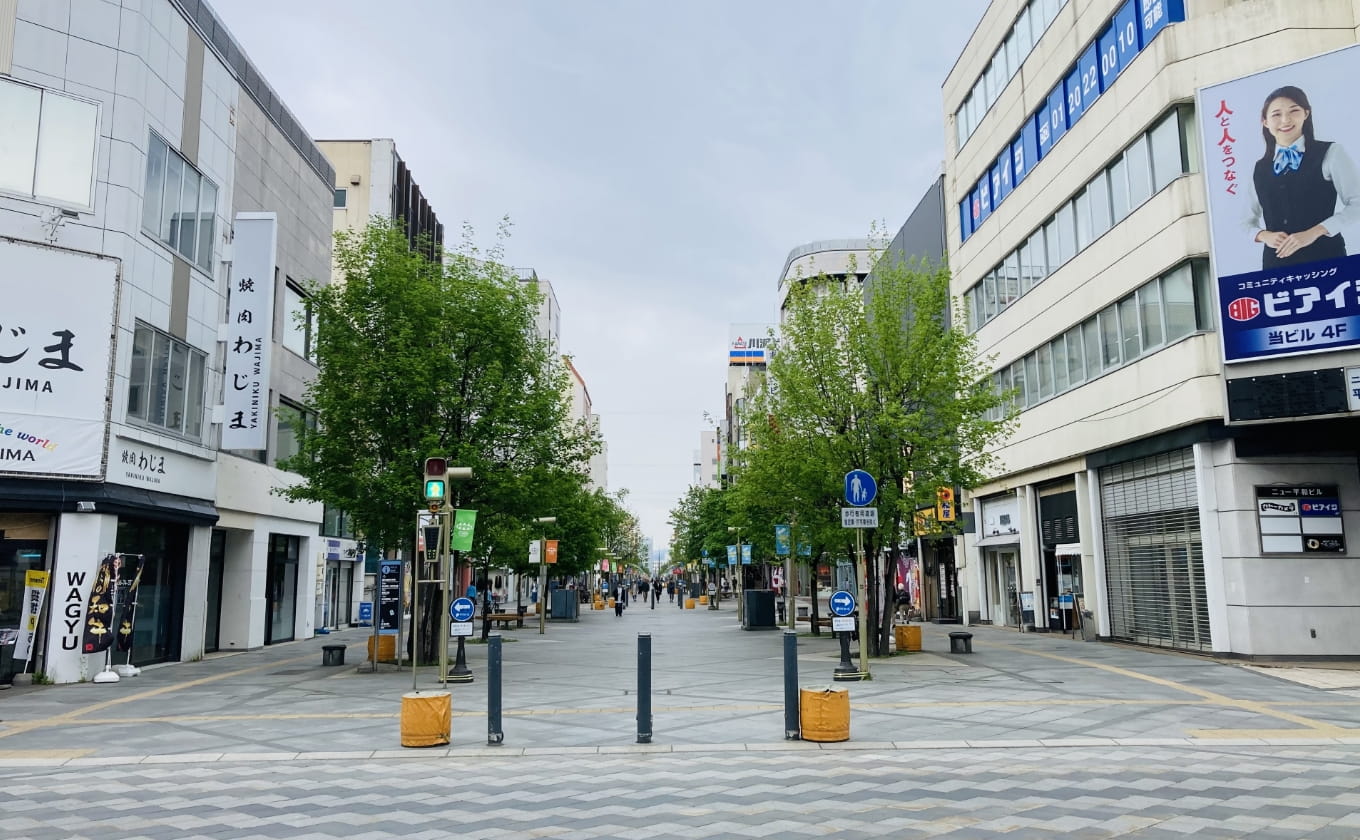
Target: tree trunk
<point x="815" y="613"/>
<point x="889" y="598"/>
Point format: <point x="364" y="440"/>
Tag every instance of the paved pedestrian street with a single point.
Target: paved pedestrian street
<point x="1032" y="735"/>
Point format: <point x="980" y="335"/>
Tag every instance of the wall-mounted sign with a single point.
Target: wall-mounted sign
<point x="55" y="351"/>
<point x="748" y="344"/>
<point x="139" y="464"/>
<point x="250" y="332"/>
<point x="1284" y="241"/>
<point x="1300" y="519"/>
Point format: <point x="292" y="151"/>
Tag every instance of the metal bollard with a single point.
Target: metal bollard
<point x="644" y="689"/>
<point x="792" y="730"/>
<point x="494" y="735"/>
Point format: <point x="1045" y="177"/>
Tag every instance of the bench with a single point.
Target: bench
<point x="822" y="620"/>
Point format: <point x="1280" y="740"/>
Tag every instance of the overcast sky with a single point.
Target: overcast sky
<point x="658" y="160"/>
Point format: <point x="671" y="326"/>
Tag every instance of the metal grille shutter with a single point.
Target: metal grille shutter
<point x="1154" y="562"/>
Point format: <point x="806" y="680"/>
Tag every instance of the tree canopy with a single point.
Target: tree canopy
<point x="874" y="378"/>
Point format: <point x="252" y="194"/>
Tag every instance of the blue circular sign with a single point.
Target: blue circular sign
<point x="842" y="603"/>
<point x="461" y="609"/>
<point x="860" y="488"/>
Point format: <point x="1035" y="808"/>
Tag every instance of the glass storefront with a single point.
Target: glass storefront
<point x="159" y="613"/>
<point x="23" y="546"/>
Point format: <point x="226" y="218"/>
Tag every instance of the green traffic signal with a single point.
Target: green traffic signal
<point x="435" y="490"/>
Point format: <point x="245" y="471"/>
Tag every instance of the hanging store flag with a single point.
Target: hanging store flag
<point x="98" y="633"/>
<point x="250" y="332"/>
<point x="781" y="540"/>
<point x="35" y="586"/>
<point x="129" y="576"/>
<point x="464" y="523"/>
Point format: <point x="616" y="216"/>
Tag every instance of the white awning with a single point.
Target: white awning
<point x="997" y="539"/>
<point x="1068" y="550"/>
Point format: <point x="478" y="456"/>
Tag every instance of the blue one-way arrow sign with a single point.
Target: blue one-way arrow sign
<point x="461" y="609"/>
<point x="860" y="488"/>
<point x="842" y="603"/>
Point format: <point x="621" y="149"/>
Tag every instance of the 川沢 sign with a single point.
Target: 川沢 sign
<point x="55" y="351"/>
<point x="1282" y="212"/>
<point x="748" y="344"/>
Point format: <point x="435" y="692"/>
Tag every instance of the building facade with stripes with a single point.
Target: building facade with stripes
<point x="1162" y="486"/>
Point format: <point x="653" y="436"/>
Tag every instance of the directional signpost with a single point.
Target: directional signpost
<point x="842" y="606"/>
<point x="461" y="612"/>
<point x="860" y="491"/>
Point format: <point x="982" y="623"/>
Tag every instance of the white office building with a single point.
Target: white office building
<point x="1184" y="468"/>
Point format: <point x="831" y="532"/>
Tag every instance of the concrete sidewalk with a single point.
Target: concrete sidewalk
<point x="715" y="687"/>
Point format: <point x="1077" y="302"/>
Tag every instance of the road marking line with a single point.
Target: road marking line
<point x="1212" y="697"/>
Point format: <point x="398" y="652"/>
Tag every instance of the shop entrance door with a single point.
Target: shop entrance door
<point x="281" y="588"/>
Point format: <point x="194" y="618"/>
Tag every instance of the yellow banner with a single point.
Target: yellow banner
<point x="36" y="579"/>
<point x="944" y="504"/>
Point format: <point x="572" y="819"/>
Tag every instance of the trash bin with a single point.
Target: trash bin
<point x="759" y="609"/>
<point x="332" y="654"/>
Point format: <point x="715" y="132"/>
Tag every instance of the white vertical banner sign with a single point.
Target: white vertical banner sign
<point x="249" y="332"/>
<point x="35" y="586"/>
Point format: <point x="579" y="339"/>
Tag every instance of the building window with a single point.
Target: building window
<point x="340" y="198"/>
<point x="1161" y="311"/>
<point x="48" y="144"/>
<point x="292" y="419"/>
<point x="180" y="205"/>
<point x="165" y="384"/>
<point x="336" y="522"/>
<point x="299" y="321"/>
<point x="1153" y="160"/>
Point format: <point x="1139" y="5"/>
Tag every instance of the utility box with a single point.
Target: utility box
<point x="565" y="605"/>
<point x="758" y="609"/>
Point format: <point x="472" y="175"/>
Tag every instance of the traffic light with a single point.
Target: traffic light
<point x="436" y="480"/>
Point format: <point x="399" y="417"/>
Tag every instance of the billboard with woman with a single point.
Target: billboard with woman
<point x="1284" y="202"/>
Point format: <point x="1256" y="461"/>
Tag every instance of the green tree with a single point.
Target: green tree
<point x="419" y="358"/>
<point x="877" y="379"/>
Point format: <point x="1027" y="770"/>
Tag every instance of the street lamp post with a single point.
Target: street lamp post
<point x="543" y="573"/>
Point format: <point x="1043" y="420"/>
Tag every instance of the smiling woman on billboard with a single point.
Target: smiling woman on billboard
<point x="1302" y="190"/>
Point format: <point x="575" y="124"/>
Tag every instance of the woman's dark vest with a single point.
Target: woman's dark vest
<point x="1296" y="200"/>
